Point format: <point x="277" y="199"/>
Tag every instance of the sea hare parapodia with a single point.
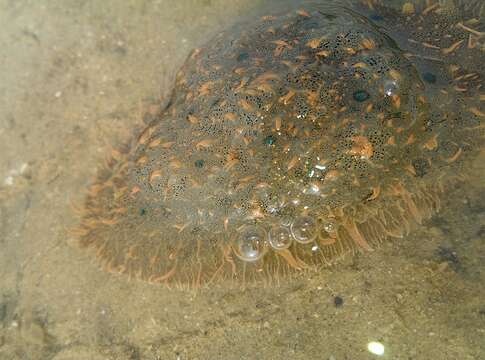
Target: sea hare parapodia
<point x="293" y="141"/>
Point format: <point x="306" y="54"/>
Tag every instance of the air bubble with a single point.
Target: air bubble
<point x="330" y="226"/>
<point x="304" y="229"/>
<point x="286" y="221"/>
<point x="312" y="188"/>
<point x="250" y="243"/>
<point x="391" y="87"/>
<point x="280" y="237"/>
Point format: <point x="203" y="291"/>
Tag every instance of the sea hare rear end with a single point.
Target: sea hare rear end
<point x="285" y="146"/>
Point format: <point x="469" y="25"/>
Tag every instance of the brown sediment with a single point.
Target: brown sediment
<point x="274" y="124"/>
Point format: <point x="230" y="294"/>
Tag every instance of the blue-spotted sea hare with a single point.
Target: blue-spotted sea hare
<point x="294" y="140"/>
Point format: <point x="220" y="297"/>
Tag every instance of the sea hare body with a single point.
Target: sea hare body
<point x="291" y="141"/>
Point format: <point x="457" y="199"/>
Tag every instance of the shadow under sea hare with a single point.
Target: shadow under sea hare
<point x="290" y="141"/>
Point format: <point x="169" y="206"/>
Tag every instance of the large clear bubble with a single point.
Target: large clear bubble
<point x="280" y="237"/>
<point x="250" y="243"/>
<point x="327" y="232"/>
<point x="304" y="229"/>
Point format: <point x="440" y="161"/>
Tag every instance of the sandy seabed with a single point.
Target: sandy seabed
<point x="75" y="78"/>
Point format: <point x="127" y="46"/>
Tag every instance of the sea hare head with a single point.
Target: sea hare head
<point x="286" y="144"/>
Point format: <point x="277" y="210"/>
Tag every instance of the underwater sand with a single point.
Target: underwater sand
<point x="75" y="78"/>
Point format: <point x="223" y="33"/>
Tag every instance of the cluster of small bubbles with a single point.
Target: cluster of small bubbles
<point x="251" y="243"/>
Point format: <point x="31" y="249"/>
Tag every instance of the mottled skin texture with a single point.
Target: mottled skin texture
<point x="321" y="115"/>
